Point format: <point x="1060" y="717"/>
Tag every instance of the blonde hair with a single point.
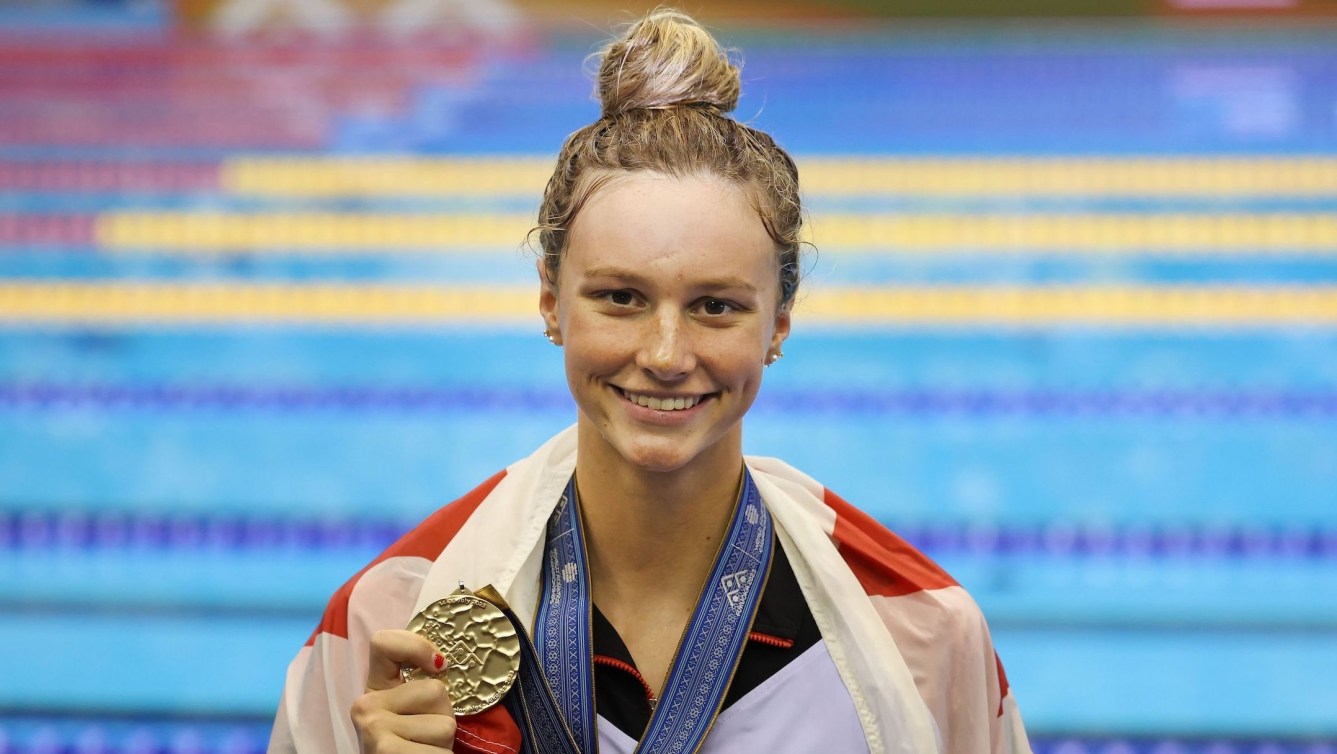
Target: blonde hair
<point x="665" y="86"/>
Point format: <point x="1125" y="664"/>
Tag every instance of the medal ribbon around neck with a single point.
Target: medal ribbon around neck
<point x="711" y="645"/>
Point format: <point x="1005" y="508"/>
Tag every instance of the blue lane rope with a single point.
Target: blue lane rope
<point x="58" y="733"/>
<point x="129" y="531"/>
<point x="1041" y="402"/>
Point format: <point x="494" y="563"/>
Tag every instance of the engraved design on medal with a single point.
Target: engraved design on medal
<point x="735" y="588"/>
<point x="481" y="647"/>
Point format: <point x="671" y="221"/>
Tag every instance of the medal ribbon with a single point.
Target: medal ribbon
<point x="707" y="657"/>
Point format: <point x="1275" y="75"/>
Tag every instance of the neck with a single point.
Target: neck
<point x="654" y="534"/>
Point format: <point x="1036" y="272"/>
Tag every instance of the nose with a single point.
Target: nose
<point x="666" y="348"/>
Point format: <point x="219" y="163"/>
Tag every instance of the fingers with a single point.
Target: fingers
<point x="405" y="747"/>
<point x="392" y="649"/>
<point x="403" y="718"/>
<point x="411" y="717"/>
<point x="429" y="730"/>
<point x="426" y="697"/>
<point x="384" y="731"/>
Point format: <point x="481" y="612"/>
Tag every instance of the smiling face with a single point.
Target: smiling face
<point x="667" y="306"/>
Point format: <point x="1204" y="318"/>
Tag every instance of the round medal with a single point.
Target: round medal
<point x="481" y="648"/>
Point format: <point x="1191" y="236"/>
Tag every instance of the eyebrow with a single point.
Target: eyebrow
<point x="711" y="284"/>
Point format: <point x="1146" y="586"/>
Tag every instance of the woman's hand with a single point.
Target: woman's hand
<point x="393" y="716"/>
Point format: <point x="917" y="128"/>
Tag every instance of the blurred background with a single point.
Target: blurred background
<point x="1072" y="329"/>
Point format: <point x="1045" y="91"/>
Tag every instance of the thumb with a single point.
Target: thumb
<point x="392" y="649"/>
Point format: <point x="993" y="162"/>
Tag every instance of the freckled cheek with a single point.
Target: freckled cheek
<point x="588" y="357"/>
<point x="735" y="371"/>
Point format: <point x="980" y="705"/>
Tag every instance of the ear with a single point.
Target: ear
<point x="782" y="321"/>
<point x="548" y="304"/>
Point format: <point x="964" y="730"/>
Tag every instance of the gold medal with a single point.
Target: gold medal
<point x="481" y="647"/>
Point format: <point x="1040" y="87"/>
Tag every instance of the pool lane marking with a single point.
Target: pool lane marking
<point x="827" y="176"/>
<point x="374" y="305"/>
<point x="901" y="233"/>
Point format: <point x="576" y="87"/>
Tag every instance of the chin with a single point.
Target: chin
<point x="660" y="460"/>
<point x="662" y="450"/>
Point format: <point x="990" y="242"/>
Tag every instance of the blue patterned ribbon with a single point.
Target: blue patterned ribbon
<point x="562" y="628"/>
<point x="533" y="706"/>
<point x="707" y="657"/>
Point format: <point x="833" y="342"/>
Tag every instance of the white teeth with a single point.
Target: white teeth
<point x="663" y="404"/>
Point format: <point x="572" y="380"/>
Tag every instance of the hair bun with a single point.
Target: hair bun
<point x="664" y="60"/>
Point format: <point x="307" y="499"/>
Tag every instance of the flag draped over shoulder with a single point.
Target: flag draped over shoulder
<point x="908" y="641"/>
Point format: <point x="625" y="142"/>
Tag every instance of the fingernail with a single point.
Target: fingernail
<point x="439" y="660"/>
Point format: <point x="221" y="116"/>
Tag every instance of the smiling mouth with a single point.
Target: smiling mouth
<point x="679" y="403"/>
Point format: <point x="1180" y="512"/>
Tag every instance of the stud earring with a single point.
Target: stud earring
<point x="774" y="357"/>
<point x="551" y="338"/>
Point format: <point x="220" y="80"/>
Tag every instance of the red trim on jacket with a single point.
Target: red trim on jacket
<point x="614" y="662"/>
<point x="885" y="564"/>
<point x="773" y="641"/>
<point x="426" y="540"/>
<point x="1003" y="687"/>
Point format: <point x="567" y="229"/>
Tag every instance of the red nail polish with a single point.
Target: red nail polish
<point x="440" y="660"/>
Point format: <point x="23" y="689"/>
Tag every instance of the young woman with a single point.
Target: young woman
<point x="679" y="596"/>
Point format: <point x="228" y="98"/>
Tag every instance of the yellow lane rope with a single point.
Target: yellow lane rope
<point x="184" y="233"/>
<point x="242" y="303"/>
<point x="309" y="232"/>
<point x="1112" y="177"/>
<point x="497" y="176"/>
<point x="1058" y="306"/>
<point x="387" y="176"/>
<point x="184" y="304"/>
<point x="1078" y="233"/>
